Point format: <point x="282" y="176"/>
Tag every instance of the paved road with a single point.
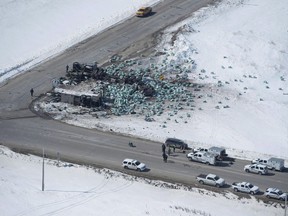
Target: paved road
<point x="108" y="150"/>
<point x="23" y="130"/>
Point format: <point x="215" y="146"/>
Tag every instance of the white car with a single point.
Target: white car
<point x="133" y="164"/>
<point x="260" y="161"/>
<point x="256" y="168"/>
<point x="275" y="193"/>
<point x="199" y="149"/>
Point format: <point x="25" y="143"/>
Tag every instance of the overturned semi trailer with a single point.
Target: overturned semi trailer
<point x="81" y="99"/>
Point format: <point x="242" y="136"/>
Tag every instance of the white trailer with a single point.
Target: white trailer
<point x="276" y="163"/>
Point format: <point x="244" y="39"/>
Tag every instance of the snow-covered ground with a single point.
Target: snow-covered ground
<point x="33" y="31"/>
<point x="239" y="50"/>
<point x="78" y="190"/>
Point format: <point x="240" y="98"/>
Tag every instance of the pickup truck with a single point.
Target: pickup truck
<point x="211" y="179"/>
<point x="203" y="157"/>
<point x="220" y="153"/>
<point x="245" y="187"/>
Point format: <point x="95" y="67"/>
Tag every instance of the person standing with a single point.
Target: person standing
<point x="32" y="92"/>
<point x="165" y="157"/>
<point x="163" y="148"/>
<point x="67" y="68"/>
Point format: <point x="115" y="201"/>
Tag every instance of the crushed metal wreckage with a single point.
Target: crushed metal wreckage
<point x="126" y="88"/>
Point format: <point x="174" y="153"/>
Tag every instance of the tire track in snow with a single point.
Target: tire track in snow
<point x="37" y="208"/>
<point x="74" y="201"/>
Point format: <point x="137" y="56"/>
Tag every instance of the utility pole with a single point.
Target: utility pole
<point x="43" y="172"/>
<point x="58" y="158"/>
<point x="285" y="205"/>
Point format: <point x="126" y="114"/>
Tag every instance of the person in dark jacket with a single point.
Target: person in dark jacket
<point x="165" y="157"/>
<point x="31" y="92"/>
<point x="163" y="148"/>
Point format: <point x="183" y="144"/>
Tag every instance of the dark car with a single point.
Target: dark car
<point x="176" y="143"/>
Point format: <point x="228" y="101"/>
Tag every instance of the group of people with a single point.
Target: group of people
<point x="164" y="155"/>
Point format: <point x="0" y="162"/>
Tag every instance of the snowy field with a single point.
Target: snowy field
<point x="33" y="31"/>
<point x="77" y="190"/>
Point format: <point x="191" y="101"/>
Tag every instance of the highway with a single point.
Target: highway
<point x="24" y="131"/>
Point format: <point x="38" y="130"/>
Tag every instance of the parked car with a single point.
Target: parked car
<point x="176" y="143"/>
<point x="203" y="157"/>
<point x="245" y="187"/>
<point x="199" y="149"/>
<point x="133" y="164"/>
<point x="144" y="11"/>
<point x="260" y="161"/>
<point x="211" y="179"/>
<point x="256" y="168"/>
<point x="275" y="193"/>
